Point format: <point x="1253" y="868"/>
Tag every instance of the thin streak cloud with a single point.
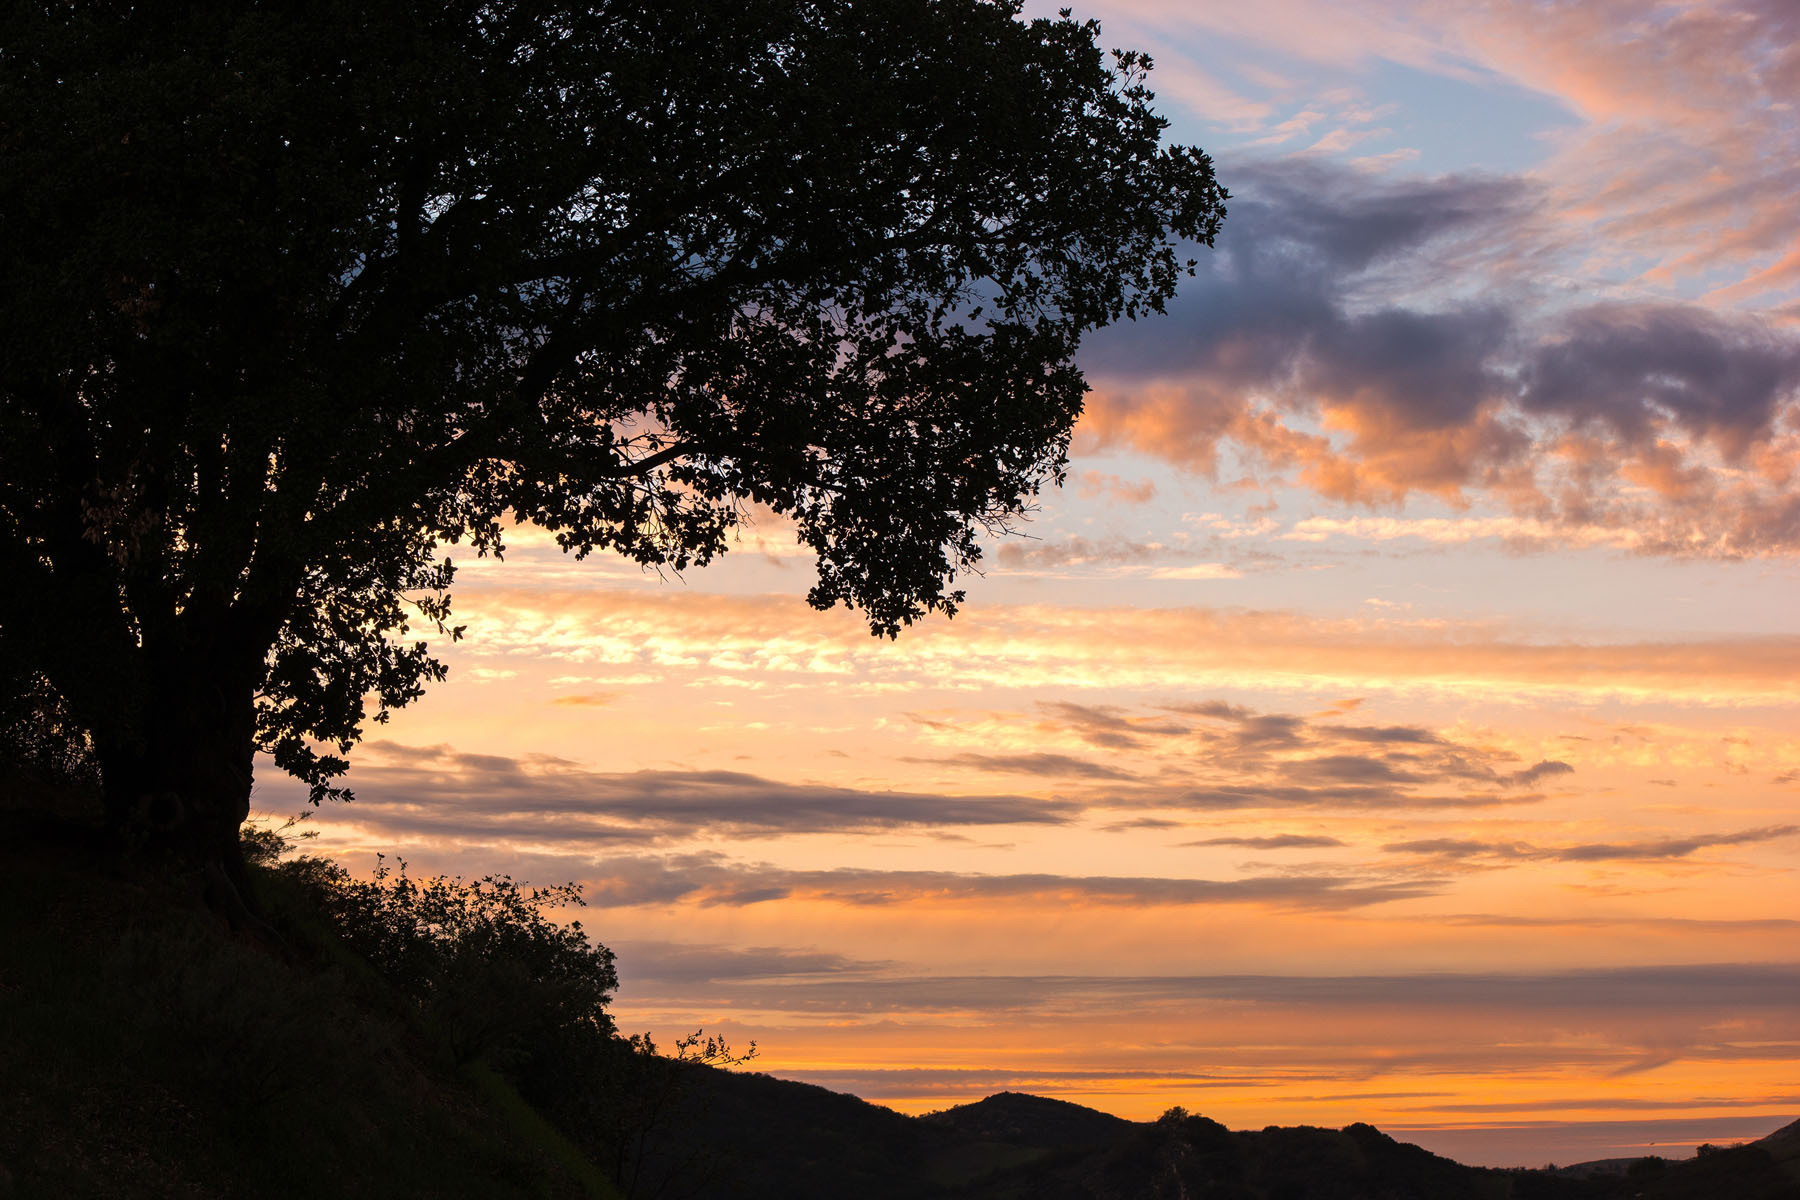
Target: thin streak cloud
<point x="1652" y="850"/>
<point x="708" y="880"/>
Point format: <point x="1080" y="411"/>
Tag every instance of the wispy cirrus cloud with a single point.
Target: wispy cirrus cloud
<point x="439" y="790"/>
<point x="1056" y="766"/>
<point x="1524" y="532"/>
<point x="1648" y="850"/>
<point x="1212" y="756"/>
<point x="1681" y="160"/>
<point x="1109" y="726"/>
<point x="1765" y="988"/>
<point x="681" y="965"/>
<point x="780" y="642"/>
<point x="1113" y="555"/>
<point x="710" y="880"/>
<point x="1279" y="841"/>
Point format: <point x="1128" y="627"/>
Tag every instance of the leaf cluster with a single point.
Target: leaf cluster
<point x="40" y="743"/>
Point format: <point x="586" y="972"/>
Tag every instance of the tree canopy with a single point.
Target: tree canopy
<point x="298" y="294"/>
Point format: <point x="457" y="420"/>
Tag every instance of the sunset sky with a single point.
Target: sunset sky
<point x="1395" y="717"/>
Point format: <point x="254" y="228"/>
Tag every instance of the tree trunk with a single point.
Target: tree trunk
<point x="179" y="780"/>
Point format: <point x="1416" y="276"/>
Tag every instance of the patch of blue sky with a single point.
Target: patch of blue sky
<point x="1460" y="119"/>
<point x="1476" y="124"/>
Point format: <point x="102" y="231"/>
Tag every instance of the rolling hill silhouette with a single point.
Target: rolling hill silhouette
<point x="776" y="1138"/>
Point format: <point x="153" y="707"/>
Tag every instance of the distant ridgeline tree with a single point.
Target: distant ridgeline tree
<point x="296" y="294"/>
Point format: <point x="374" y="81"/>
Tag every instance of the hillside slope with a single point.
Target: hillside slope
<point x="150" y="1051"/>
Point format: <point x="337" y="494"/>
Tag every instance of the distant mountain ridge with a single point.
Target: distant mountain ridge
<point x="769" y="1138"/>
<point x="1019" y="1119"/>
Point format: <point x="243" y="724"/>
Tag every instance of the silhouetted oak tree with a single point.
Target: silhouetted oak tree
<point x="295" y="294"/>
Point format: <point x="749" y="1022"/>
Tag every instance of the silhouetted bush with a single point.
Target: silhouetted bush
<point x="496" y="980"/>
<point x="486" y="968"/>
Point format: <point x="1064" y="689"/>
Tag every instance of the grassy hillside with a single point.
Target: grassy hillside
<point x="150" y="1052"/>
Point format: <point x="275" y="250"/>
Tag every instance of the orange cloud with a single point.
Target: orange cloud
<point x="586" y="699"/>
<point x="1092" y="484"/>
